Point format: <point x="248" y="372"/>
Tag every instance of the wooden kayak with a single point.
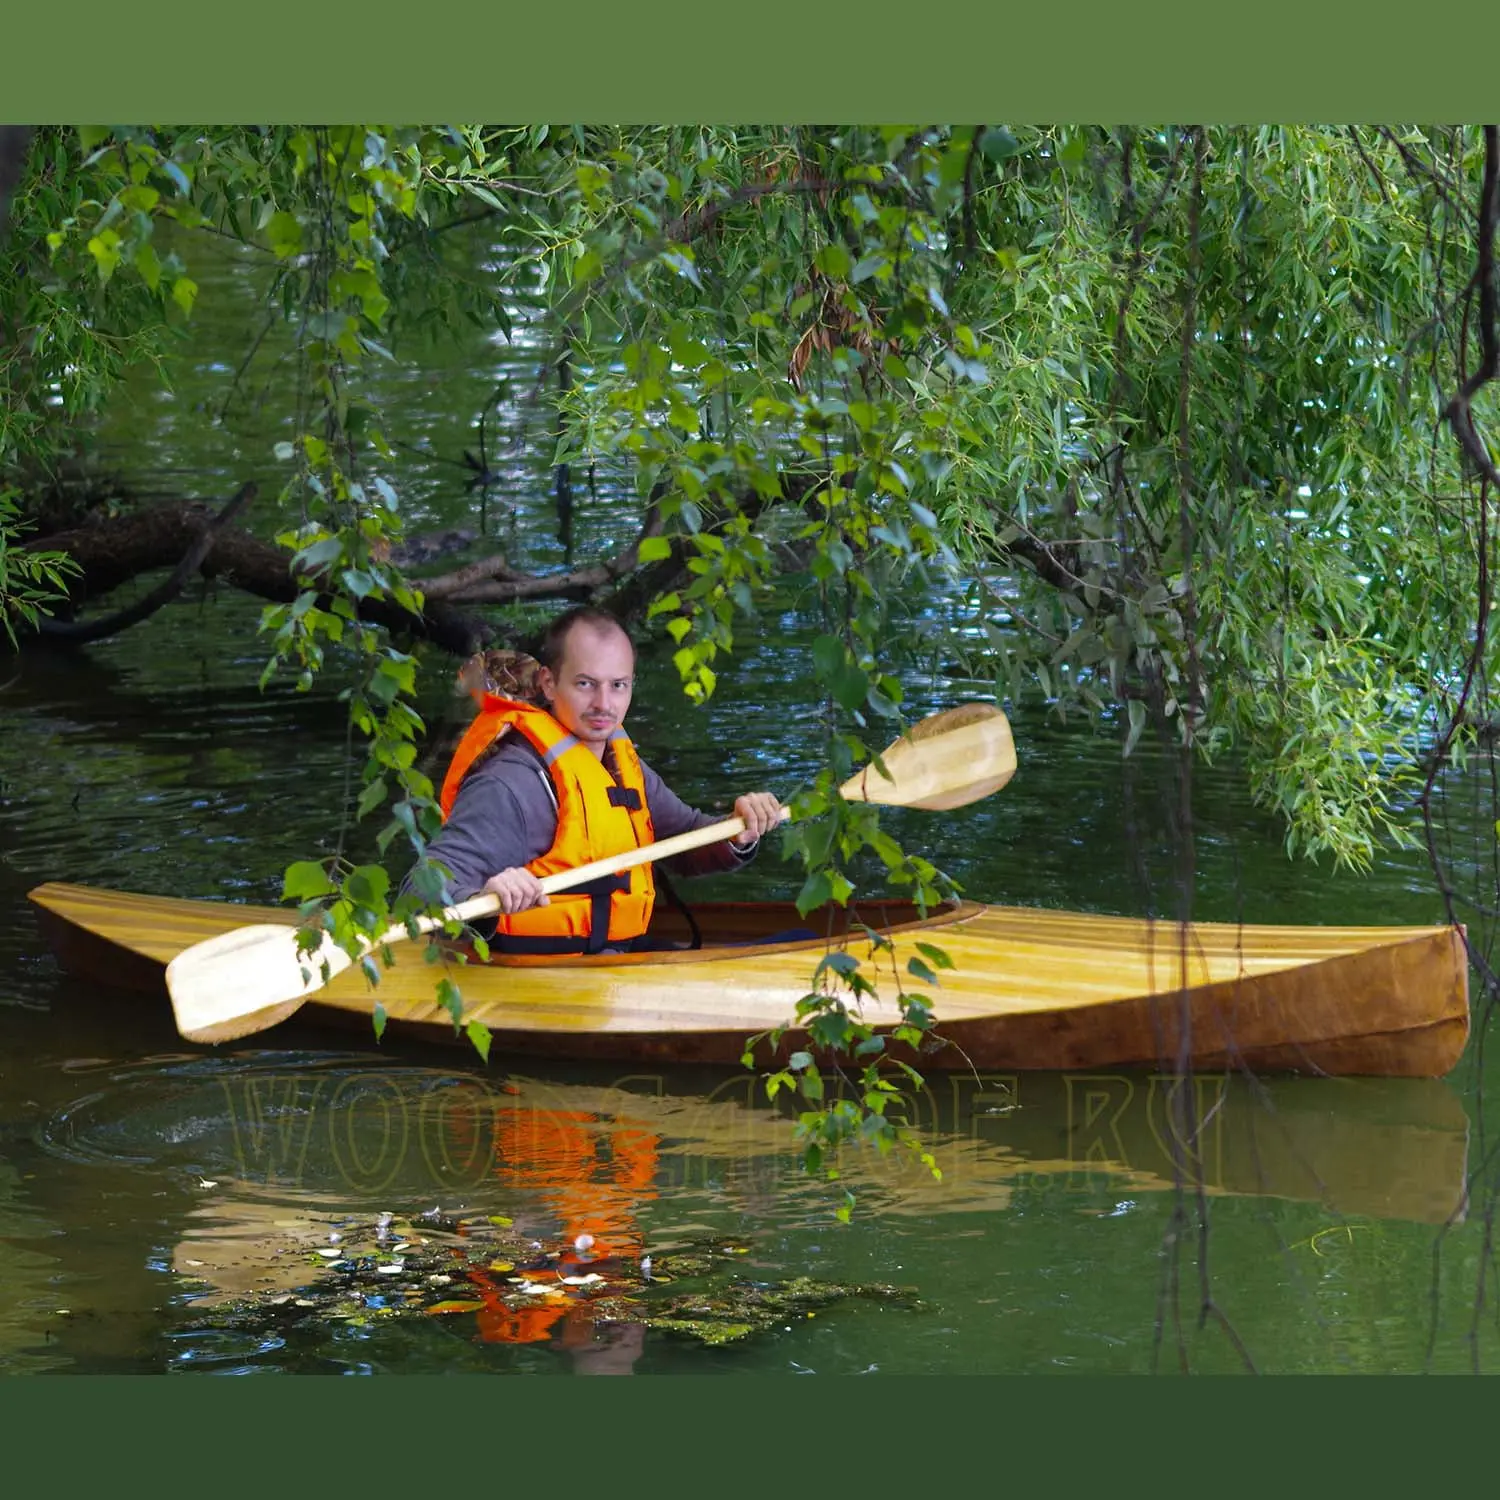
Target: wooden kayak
<point x="1030" y="989"/>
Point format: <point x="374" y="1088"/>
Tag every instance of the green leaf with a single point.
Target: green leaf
<point x="815" y="892"/>
<point x="833" y="261"/>
<point x="998" y="143"/>
<point x="451" y="1000"/>
<point x="377" y="1015"/>
<point x="306" y="880"/>
<point x="184" y="291"/>
<point x="831" y="1029"/>
<point x="148" y="265"/>
<point x="284" y="235"/>
<point x="850" y="686"/>
<point x="139" y="198"/>
<point x="368" y="885"/>
<point x="319" y="554"/>
<point x="479" y="1035"/>
<point x="178" y="176"/>
<point x="841" y="962"/>
<point x="372" y="797"/>
<point x="828" y="656"/>
<point x="105" y="248"/>
<point x="654" y="549"/>
<point x="937" y="957"/>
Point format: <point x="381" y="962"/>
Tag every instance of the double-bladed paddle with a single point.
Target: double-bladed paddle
<point x="244" y="981"/>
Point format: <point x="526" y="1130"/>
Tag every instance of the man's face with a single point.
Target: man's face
<point x="590" y="693"/>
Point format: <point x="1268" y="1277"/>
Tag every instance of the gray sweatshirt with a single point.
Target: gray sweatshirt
<point x="505" y="815"/>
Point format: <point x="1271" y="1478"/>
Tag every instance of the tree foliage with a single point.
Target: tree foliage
<point x="1156" y="415"/>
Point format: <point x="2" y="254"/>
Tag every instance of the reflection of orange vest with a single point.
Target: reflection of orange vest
<point x="593" y="1172"/>
<point x="598" y="815"/>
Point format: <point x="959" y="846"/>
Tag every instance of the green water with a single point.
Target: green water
<point x="141" y="1181"/>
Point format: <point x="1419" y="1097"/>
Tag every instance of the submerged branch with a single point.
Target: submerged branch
<point x="77" y="632"/>
<point x="492" y="581"/>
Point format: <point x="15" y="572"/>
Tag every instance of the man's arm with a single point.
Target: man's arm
<point x="501" y="818"/>
<point x="670" y="815"/>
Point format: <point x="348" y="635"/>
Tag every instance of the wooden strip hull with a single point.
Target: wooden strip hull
<point x="1031" y="989"/>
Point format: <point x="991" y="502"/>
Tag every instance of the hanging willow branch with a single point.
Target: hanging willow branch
<point x="15" y="141"/>
<point x="1459" y="412"/>
<point x="1185" y="481"/>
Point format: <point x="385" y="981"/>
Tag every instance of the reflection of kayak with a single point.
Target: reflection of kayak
<point x="1387" y="1148"/>
<point x="1030" y="988"/>
<point x="568" y="1158"/>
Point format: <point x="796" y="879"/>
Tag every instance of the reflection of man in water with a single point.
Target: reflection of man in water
<point x="591" y="1172"/>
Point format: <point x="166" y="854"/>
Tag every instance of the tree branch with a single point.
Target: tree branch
<point x="75" y="632"/>
<point x="112" y="551"/>
<point x="15" y="141"/>
<point x="1459" y="412"/>
<point x="689" y="225"/>
<point x="491" y="580"/>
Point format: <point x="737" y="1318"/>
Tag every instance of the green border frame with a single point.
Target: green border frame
<point x="785" y="60"/>
<point x="668" y="60"/>
<point x="1069" y="1434"/>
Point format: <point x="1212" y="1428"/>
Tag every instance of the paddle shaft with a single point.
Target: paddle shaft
<point x="488" y="903"/>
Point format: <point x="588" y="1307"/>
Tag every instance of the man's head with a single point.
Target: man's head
<point x="587" y="674"/>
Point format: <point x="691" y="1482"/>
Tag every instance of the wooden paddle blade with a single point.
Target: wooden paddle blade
<point x="246" y="980"/>
<point x="949" y="760"/>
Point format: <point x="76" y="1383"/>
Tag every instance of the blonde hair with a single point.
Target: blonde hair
<point x="506" y="674"/>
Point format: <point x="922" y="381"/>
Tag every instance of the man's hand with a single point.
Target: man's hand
<point x="518" y="890"/>
<point x="761" y="812"/>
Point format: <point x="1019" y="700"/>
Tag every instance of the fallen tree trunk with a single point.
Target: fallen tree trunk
<point x="111" y="551"/>
<point x="79" y="631"/>
<point x="188" y="537"/>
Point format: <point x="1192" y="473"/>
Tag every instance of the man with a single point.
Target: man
<point x="535" y="790"/>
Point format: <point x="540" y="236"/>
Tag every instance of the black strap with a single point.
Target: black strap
<point x="626" y="797"/>
<point x="684" y="910"/>
<point x="600" y="891"/>
<point x="505" y="942"/>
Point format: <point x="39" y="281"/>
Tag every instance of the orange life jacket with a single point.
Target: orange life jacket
<point x="598" y="815"/>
